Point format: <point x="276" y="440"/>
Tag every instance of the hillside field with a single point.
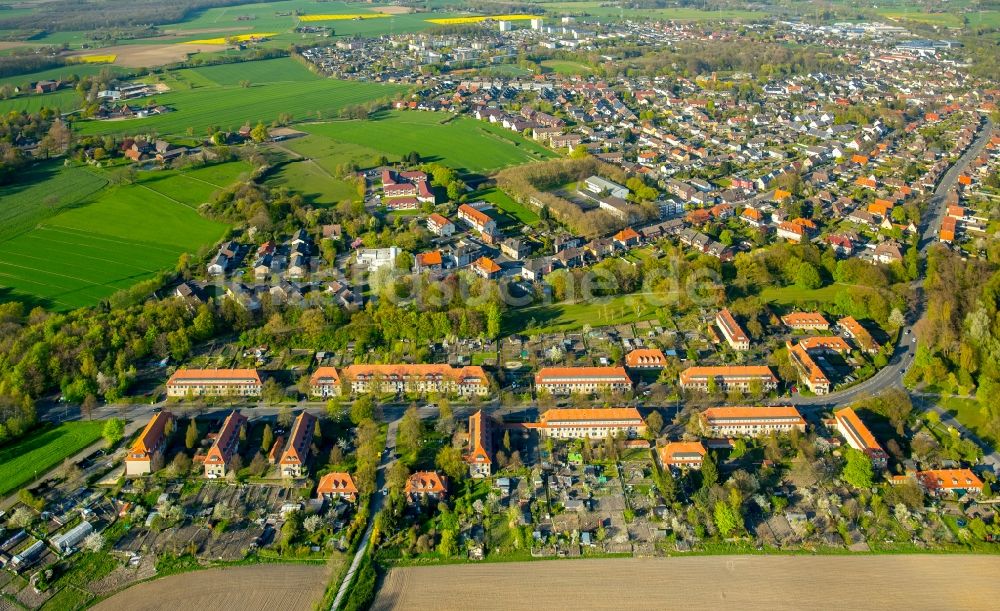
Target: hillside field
<point x="462" y="143"/>
<point x="22" y="460"/>
<point x="111" y="239"/>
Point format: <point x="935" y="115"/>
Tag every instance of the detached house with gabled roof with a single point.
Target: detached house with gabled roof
<point x="146" y="454"/>
<point x="337" y="486"/>
<point x="682" y="454"/>
<point x="225" y="446"/>
<point x="426" y="484"/>
<point x="293" y="459"/>
<point x="480" y="455"/>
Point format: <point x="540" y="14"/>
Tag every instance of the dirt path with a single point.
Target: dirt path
<point x="289" y="587"/>
<point x="913" y="582"/>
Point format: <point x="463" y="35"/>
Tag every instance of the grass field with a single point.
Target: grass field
<point x="501" y="200"/>
<point x="43" y="189"/>
<point x="463" y="143"/>
<point x="966" y="411"/>
<point x="266" y="586"/>
<point x="707" y="582"/>
<point x="315" y="183"/>
<point x="566" y="68"/>
<point x="61" y="73"/>
<point x="64" y="100"/>
<point x="227" y="105"/>
<point x="113" y="238"/>
<point x="623" y="309"/>
<point x="792" y="295"/>
<point x="598" y="8"/>
<point x="22" y="460"/>
<point x="948" y="20"/>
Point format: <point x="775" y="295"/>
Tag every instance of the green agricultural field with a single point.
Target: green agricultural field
<point x="231" y="106"/>
<point x="596" y="8"/>
<point x="948" y="20"/>
<point x="114" y="238"/>
<point x="461" y="143"/>
<point x="64" y="100"/>
<point x="23" y="460"/>
<point x="315" y="183"/>
<point x="280" y="70"/>
<point x="511" y="208"/>
<point x="61" y="73"/>
<point x="43" y="190"/>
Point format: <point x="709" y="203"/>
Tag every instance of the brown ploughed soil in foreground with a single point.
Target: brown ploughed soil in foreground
<point x="911" y="582"/>
<point x="288" y="587"/>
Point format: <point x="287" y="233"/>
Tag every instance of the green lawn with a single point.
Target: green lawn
<point x="314" y="182"/>
<point x="968" y="412"/>
<point x="567" y="67"/>
<point x="794" y="295"/>
<point x="64" y="100"/>
<point x="948" y="19"/>
<point x="512" y="209"/>
<point x="623" y="309"/>
<point x="22" y="460"/>
<point x="462" y="143"/>
<point x="113" y="238"/>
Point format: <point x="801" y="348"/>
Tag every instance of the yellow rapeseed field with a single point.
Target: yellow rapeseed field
<point x="477" y="19"/>
<point x="222" y="40"/>
<point x="341" y="17"/>
<point x="95" y="59"/>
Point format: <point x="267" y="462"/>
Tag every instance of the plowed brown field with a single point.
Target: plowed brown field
<point x="908" y="582"/>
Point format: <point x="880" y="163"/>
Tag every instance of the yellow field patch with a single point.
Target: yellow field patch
<point x="94" y="59"/>
<point x="342" y="17"/>
<point x="478" y="19"/>
<point x="224" y="40"/>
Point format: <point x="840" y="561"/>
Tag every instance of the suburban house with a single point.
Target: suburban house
<point x="515" y="248"/>
<point x="728" y="377"/>
<point x="859" y="437"/>
<point x="682" y="454"/>
<point x="584" y="380"/>
<point x="428" y="261"/>
<point x="941" y="482"/>
<point x="214" y="383"/>
<point x="146" y="454"/>
<point x="439" y="225"/>
<point x="325" y="382"/>
<point x="437" y="378"/>
<point x="426" y="484"/>
<point x="225" y="446"/>
<point x="751" y="421"/>
<point x="593" y="423"/>
<point x="853" y="329"/>
<point x="477" y="219"/>
<point x="645" y="358"/>
<point x="480" y="456"/>
<point x="805" y="321"/>
<point x="732" y="331"/>
<point x="293" y="459"/>
<point x="337" y="486"/>
<point x="487" y="268"/>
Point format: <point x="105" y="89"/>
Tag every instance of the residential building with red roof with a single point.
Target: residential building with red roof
<point x="325" y="382"/>
<point x="487" y="268"/>
<point x="751" y="421"/>
<point x="596" y="423"/>
<point x="480" y="455"/>
<point x="856" y="331"/>
<point x="225" y="446"/>
<point x="728" y="377"/>
<point x="682" y="454"/>
<point x="941" y="482"/>
<point x="426" y="484"/>
<point x="859" y="437"/>
<point x="626" y="238"/>
<point x="806" y="321"/>
<point x="337" y="485"/>
<point x="810" y="373"/>
<point x="440" y="225"/>
<point x="146" y="454"/>
<point x="732" y="331"/>
<point x="296" y="452"/>
<point x="645" y="358"/>
<point x="214" y="383"/>
<point x="429" y="378"/>
<point x="584" y="380"/>
<point x="477" y="219"/>
<point x="791" y="231"/>
<point x="428" y="261"/>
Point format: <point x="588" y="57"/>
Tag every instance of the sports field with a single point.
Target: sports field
<point x="22" y="460"/>
<point x="462" y="143"/>
<point x="750" y="583"/>
<point x="567" y="68"/>
<point x="216" y="99"/>
<point x="108" y="241"/>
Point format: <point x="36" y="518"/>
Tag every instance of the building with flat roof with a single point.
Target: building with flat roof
<point x="751" y="421"/>
<point x="598" y="185"/>
<point x="595" y="423"/>
<point x="859" y="437"/>
<point x="583" y="380"/>
<point x="214" y="383"/>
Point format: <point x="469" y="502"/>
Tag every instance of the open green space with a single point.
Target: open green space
<point x="501" y="200"/>
<point x="622" y="309"/>
<point x="113" y="238"/>
<point x="64" y="100"/>
<point x="229" y="107"/>
<point x="795" y="295"/>
<point x="44" y="188"/>
<point x="461" y="142"/>
<point x="315" y="183"/>
<point x="61" y="73"/>
<point x="948" y="19"/>
<point x="27" y="458"/>
<point x="595" y="8"/>
<point x="566" y="68"/>
<point x="969" y="412"/>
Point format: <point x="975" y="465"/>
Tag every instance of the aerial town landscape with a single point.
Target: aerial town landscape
<point x="313" y="304"/>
